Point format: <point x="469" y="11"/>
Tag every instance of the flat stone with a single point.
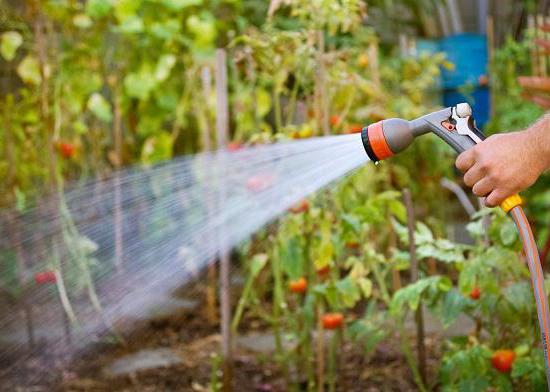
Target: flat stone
<point x="170" y="305"/>
<point x="262" y="343"/>
<point x="141" y="361"/>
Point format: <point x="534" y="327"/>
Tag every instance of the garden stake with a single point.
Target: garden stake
<point x="418" y="316"/>
<point x="456" y="126"/>
<point x="212" y="273"/>
<point x="222" y="128"/>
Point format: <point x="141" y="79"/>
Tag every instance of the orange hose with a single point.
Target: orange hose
<point x="537" y="280"/>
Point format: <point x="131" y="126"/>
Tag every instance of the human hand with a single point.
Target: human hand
<point x="503" y="165"/>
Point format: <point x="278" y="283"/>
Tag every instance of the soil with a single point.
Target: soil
<point x="195" y="341"/>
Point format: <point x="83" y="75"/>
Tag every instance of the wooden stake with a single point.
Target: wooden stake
<point x="212" y="276"/>
<point x="322" y="103"/>
<point x="117" y="216"/>
<point x="222" y="128"/>
<point x="419" y="317"/>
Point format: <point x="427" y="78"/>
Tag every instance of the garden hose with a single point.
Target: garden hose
<point x="456" y="126"/>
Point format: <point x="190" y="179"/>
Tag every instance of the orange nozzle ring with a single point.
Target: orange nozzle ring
<point x="378" y="142"/>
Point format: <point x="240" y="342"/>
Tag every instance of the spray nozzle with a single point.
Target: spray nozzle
<point x="455" y="125"/>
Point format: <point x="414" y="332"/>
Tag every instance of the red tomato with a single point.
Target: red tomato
<point x="234" y="146"/>
<point x="298" y="286"/>
<point x="475" y="293"/>
<point x="333" y="320"/>
<point x="323" y="271"/>
<point x="302" y="206"/>
<point x="335" y="120"/>
<point x="45" y="277"/>
<point x="259" y="183"/>
<point x="352" y="245"/>
<point x="66" y="149"/>
<point x="502" y="360"/>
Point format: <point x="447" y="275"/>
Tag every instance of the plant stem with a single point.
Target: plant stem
<point x="320" y="350"/>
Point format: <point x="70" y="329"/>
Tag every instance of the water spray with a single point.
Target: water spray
<point x="456" y="126"/>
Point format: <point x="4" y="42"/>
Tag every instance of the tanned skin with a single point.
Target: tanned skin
<point x="505" y="164"/>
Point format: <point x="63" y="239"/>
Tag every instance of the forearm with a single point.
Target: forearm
<point x="539" y="139"/>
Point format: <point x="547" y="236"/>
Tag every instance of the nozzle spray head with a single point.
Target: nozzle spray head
<point x="455" y="125"/>
<point x="386" y="138"/>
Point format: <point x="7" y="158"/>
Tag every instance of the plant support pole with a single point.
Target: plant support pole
<point x="419" y="317"/>
<point x="222" y="128"/>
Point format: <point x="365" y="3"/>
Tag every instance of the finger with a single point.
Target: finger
<point x="473" y="175"/>
<point x="465" y="160"/>
<point x="483" y="187"/>
<point x="539" y="100"/>
<point x="495" y="198"/>
<point x="534" y="82"/>
<point x="544" y="44"/>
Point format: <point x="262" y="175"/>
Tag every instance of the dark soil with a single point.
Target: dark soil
<point x="189" y="333"/>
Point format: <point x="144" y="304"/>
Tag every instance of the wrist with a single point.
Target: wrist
<point x="538" y="138"/>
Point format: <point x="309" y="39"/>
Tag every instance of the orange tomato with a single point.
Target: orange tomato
<point x="364" y="60"/>
<point x="234" y="146"/>
<point x="301" y="206"/>
<point x="502" y="360"/>
<point x="298" y="286"/>
<point x="354" y="128"/>
<point x="333" y="320"/>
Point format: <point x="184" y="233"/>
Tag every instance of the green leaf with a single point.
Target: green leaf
<point x="257" y="264"/>
<point x="398" y="210"/>
<point x="131" y="25"/>
<point x="139" y="85"/>
<point x="452" y="305"/>
<point x="178" y="5"/>
<point x="423" y="233"/>
<point x="508" y="232"/>
<point x="82" y="20"/>
<point x="263" y="102"/>
<point x="366" y="286"/>
<point x="164" y="66"/>
<point x="292" y="259"/>
<point x="165" y="30"/>
<point x="348" y="291"/>
<point x="100" y="107"/>
<point x="11" y="41"/>
<point x="126" y="9"/>
<point x="203" y="29"/>
<point x="29" y="70"/>
<point x="20" y="200"/>
<point x="98" y="8"/>
<point x="411" y="295"/>
<point x="157" y="148"/>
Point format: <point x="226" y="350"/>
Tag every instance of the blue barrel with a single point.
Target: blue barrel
<point x="468" y="52"/>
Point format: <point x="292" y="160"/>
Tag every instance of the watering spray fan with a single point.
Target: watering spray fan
<point x="456" y="126"/>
